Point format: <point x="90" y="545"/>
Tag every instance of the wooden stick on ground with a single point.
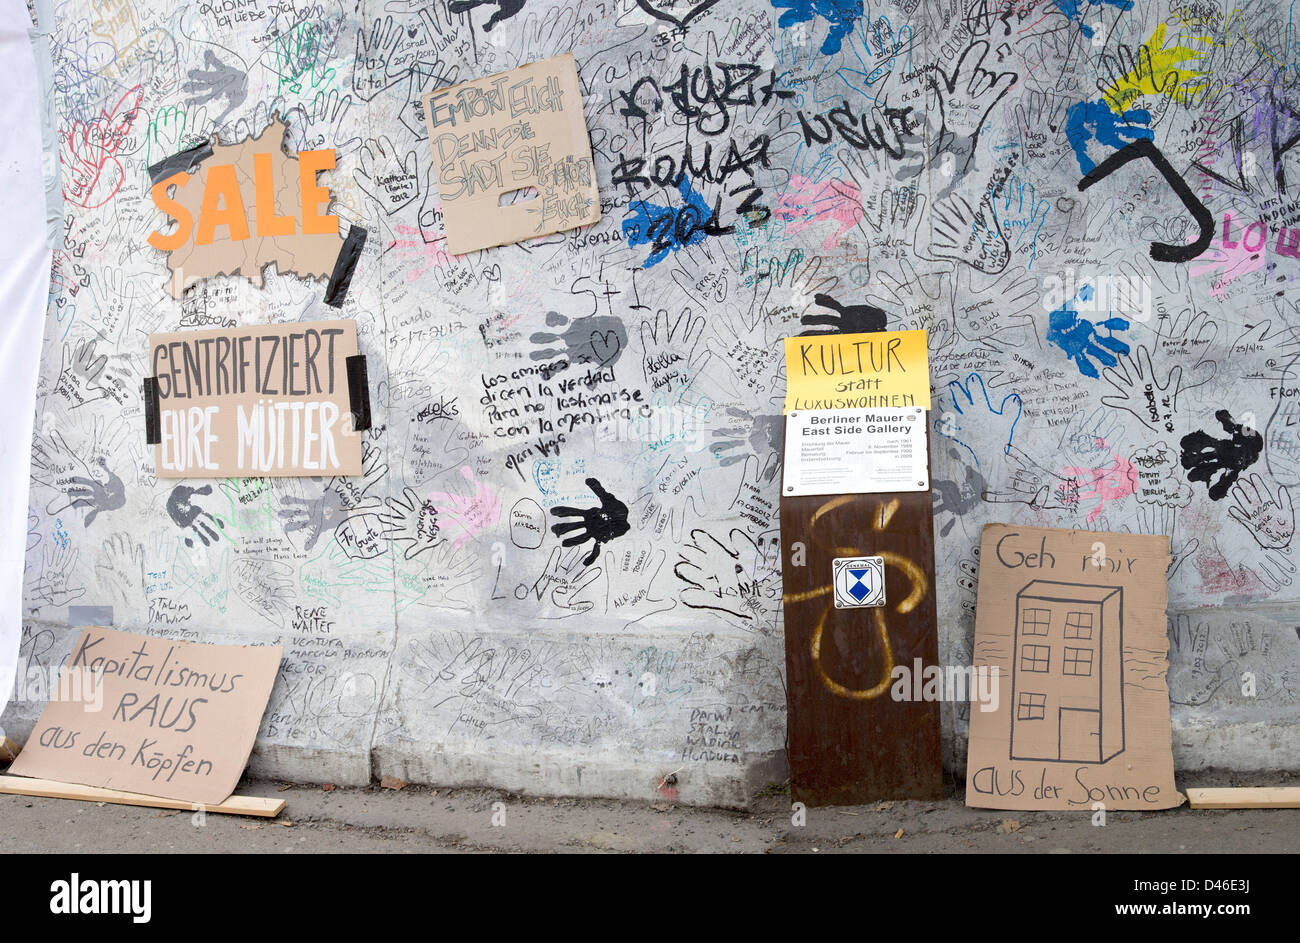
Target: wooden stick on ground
<point x="235" y="805"/>
<point x="1261" y="797"/>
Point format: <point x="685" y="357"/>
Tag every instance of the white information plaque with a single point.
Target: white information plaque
<point x="855" y="451"/>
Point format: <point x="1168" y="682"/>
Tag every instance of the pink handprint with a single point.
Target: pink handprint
<point x="473" y="514"/>
<point x="1104" y="484"/>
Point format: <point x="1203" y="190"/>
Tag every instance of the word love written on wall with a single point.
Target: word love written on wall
<point x="512" y="156"/>
<point x="152" y="716"/>
<point x="274" y="400"/>
<point x="1073" y="624"/>
<point x="247" y="206"/>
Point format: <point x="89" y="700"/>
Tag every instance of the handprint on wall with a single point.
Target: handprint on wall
<point x="471" y="514"/>
<point x="968" y="416"/>
<point x="411" y="523"/>
<point x="599" y="524"/>
<point x="1207" y="458"/>
<point x="96" y="495"/>
<point x="969" y="234"/>
<point x="724" y="576"/>
<point x="53" y="582"/>
<point x="1081" y="340"/>
<point x="186" y="514"/>
<point x="597" y="338"/>
<point x="316" y="516"/>
<point x="762" y="436"/>
<point x="505" y="9"/>
<point x="843" y="319"/>
<point x="1267" y="516"/>
<point x="120" y="569"/>
<point x="957" y="498"/>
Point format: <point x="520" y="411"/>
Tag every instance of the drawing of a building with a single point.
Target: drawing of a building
<point x="1067" y="671"/>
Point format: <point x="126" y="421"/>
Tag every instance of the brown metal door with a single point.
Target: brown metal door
<point x="849" y="740"/>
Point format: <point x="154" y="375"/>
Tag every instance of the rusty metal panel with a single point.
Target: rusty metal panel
<point x="849" y="740"/>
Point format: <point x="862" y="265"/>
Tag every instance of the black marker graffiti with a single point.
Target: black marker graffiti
<point x="1143" y="148"/>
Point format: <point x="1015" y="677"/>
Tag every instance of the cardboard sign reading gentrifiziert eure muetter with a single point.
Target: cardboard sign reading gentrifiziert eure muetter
<point x="265" y="401"/>
<point x="1074" y="624"/>
<point x="152" y="716"/>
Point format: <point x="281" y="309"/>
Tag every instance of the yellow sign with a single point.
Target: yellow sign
<point x="890" y="369"/>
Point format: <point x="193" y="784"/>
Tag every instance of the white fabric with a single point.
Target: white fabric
<point x="24" y="289"/>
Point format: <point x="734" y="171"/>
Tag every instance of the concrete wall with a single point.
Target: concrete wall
<point x="918" y="160"/>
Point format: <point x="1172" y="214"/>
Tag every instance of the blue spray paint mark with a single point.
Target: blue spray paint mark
<point x="667" y="229"/>
<point x="840" y="14"/>
<point x="1073" y="9"/>
<point x="1089" y="121"/>
<point x="1078" y="336"/>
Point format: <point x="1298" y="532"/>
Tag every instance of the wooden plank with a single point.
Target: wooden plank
<point x="849" y="741"/>
<point x="1260" y="797"/>
<point x="45" y="788"/>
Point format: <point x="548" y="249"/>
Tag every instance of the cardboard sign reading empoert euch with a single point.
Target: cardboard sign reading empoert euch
<point x="263" y="401"/>
<point x="1073" y="624"/>
<point x="885" y="370"/>
<point x="152" y="716"/>
<point x="511" y="156"/>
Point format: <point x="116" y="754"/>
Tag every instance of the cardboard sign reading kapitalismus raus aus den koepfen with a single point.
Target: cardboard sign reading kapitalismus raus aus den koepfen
<point x="152" y="716"/>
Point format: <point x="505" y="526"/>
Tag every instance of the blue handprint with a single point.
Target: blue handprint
<point x="1078" y="337"/>
<point x="1073" y="9"/>
<point x="667" y="229"/>
<point x="840" y="14"/>
<point x="1089" y="121"/>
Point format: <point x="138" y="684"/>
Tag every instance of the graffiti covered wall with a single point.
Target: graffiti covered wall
<point x="560" y="569"/>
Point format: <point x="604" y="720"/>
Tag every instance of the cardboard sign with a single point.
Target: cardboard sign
<point x="886" y="370"/>
<point x="1074" y="623"/>
<point x="152" y="716"/>
<point x="246" y="206"/>
<point x="521" y="130"/>
<point x="858" y="451"/>
<point x="265" y="401"/>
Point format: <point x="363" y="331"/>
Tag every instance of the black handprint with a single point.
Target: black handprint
<point x="218" y="80"/>
<point x="185" y="513"/>
<point x="1205" y="456"/>
<point x="505" y="9"/>
<point x="316" y="516"/>
<point x="108" y="495"/>
<point x="847" y="319"/>
<point x="601" y="524"/>
<point x="596" y="338"/>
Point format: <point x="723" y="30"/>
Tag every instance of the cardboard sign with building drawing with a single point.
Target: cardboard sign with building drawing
<point x="1074" y="624"/>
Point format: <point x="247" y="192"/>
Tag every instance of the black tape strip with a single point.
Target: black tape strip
<point x="152" y="427"/>
<point x="344" y="266"/>
<point x="184" y="160"/>
<point x="359" y="391"/>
